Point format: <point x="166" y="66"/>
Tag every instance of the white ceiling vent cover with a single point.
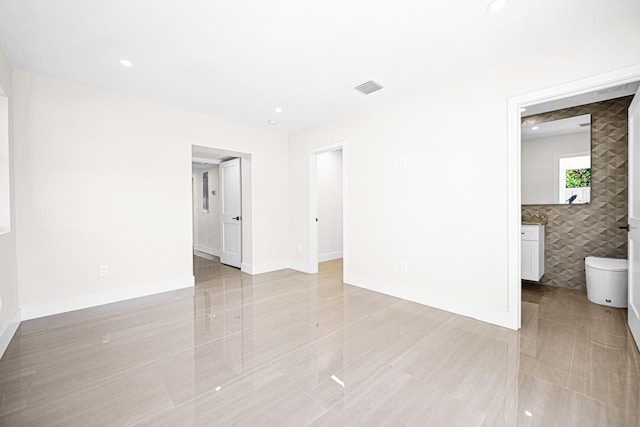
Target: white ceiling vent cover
<point x="368" y="87"/>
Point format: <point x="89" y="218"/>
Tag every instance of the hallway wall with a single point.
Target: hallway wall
<point x="206" y="225"/>
<point x="330" y="205"/>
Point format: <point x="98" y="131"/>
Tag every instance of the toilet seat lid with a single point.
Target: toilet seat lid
<point x="609" y="264"/>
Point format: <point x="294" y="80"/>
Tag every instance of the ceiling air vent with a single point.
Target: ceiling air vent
<point x="368" y="87"/>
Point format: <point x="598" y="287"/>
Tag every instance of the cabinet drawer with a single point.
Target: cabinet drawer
<point x="529" y="232"/>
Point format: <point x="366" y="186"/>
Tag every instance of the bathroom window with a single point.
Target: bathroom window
<point x="574" y="183"/>
<point x="205" y="192"/>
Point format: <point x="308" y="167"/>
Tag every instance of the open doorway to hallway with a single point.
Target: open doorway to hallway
<point x="221" y="206"/>
<point x="327" y="208"/>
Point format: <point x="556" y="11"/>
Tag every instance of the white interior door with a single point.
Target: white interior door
<point x="634" y="218"/>
<point x="230" y="213"/>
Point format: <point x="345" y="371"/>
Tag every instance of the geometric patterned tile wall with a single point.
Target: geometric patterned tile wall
<point x="576" y="231"/>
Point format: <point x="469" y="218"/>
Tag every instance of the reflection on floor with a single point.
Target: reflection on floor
<point x="287" y="348"/>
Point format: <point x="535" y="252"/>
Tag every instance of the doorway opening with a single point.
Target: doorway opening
<point x="327" y="206"/>
<point x="221" y="206"/>
<point x="552" y="98"/>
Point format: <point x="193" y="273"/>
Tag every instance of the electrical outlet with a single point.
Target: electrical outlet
<point x="402" y="163"/>
<point x="104" y="270"/>
<point x="403" y="266"/>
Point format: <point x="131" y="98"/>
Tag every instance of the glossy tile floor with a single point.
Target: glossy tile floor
<point x="286" y="348"/>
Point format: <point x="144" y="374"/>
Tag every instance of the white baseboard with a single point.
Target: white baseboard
<point x="106" y="297"/>
<point x="263" y="268"/>
<point x="303" y="268"/>
<point x="10" y="331"/>
<point x="204" y="255"/>
<point x="485" y="314"/>
<point x="207" y="250"/>
<point x="329" y="256"/>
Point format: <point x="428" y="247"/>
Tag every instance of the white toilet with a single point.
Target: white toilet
<point x="606" y="281"/>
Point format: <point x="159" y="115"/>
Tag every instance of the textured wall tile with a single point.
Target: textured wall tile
<point x="576" y="231"/>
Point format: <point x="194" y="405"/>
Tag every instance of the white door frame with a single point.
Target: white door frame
<point x="633" y="317"/>
<point x="578" y="87"/>
<point x="313" y="205"/>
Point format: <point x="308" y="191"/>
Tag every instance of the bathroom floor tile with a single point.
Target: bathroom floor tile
<point x="547" y="350"/>
<point x="572" y="307"/>
<point x="533" y="293"/>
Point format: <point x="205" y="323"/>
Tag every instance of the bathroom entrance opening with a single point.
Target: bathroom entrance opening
<point x="601" y="82"/>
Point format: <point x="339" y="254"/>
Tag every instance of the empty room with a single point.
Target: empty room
<point x="344" y="213"/>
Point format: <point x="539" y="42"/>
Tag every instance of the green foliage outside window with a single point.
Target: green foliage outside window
<point x="578" y="178"/>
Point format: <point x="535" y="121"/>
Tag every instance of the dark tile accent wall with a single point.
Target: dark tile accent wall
<point x="576" y="231"/>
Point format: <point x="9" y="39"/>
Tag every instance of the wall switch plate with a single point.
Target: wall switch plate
<point x="104" y="270"/>
<point x="403" y="266"/>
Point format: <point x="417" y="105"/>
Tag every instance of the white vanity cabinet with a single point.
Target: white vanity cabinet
<point x="532" y="251"/>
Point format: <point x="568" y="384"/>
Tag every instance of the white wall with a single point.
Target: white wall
<point x="538" y="164"/>
<point x="445" y="213"/>
<point x="103" y="178"/>
<point x="9" y="315"/>
<point x="206" y="225"/>
<point x="5" y="171"/>
<point x="329" y="205"/>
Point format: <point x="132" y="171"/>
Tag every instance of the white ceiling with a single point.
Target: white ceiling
<point x="242" y="59"/>
<point x="205" y="157"/>
<point x="577" y="124"/>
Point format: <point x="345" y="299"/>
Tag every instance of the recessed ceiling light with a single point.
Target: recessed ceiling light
<point x="528" y="413"/>
<point x="535" y="128"/>
<point x="496" y="5"/>
<point x="278" y="110"/>
<point x="523" y="109"/>
<point x="126" y="63"/>
<point x="272" y="122"/>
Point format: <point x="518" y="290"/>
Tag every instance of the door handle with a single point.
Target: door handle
<point x="624" y="227"/>
<point x="238" y="218"/>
